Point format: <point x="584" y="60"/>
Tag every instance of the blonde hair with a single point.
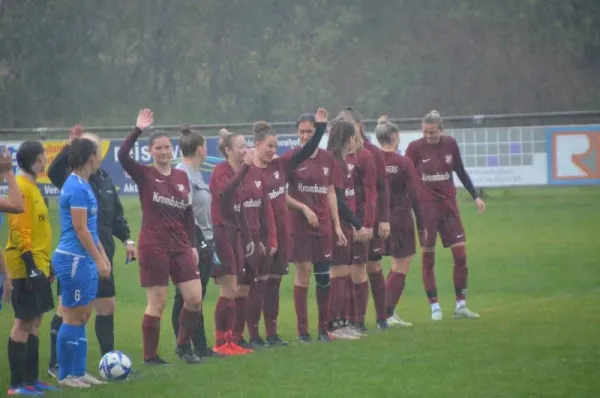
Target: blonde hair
<point x="225" y="139"/>
<point x="434" y="117"/>
<point x="385" y="130"/>
<point x="92" y="137"/>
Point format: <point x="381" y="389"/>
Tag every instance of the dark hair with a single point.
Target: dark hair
<point x="27" y="155"/>
<point x="156" y="135"/>
<point x="350" y="115"/>
<point x="434" y="117"/>
<point x="190" y="141"/>
<point x="261" y="130"/>
<point x="305" y="117"/>
<point x="384" y="130"/>
<point x="339" y="134"/>
<point x="81" y="151"/>
<point x="225" y="140"/>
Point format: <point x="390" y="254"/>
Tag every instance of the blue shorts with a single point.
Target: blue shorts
<point x="78" y="278"/>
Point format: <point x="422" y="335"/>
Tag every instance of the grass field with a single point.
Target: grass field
<point x="534" y="261"/>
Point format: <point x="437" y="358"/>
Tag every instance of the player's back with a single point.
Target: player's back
<point x="401" y="178"/>
<point x="76" y="193"/>
<point x="30" y="230"/>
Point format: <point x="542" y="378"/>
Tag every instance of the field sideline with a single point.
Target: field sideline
<point x="534" y="276"/>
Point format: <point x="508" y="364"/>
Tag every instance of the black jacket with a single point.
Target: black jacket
<point x="111" y="221"/>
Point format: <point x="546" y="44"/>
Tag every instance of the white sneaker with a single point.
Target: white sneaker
<point x="436" y="315"/>
<point x="353" y="331"/>
<point x="342" y="334"/>
<point x="464" y="312"/>
<point x="395" y="320"/>
<point x="72" y="382"/>
<point x="91" y="380"/>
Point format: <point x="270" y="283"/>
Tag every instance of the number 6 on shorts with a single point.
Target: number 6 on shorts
<point x="77" y="295"/>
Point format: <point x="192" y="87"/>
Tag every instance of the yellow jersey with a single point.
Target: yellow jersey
<point x="29" y="231"/>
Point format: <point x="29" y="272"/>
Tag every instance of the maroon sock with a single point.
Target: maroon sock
<point x="338" y="285"/>
<point x="378" y="291"/>
<point x="188" y="320"/>
<point x="224" y="313"/>
<point x="254" y="307"/>
<point x="361" y="299"/>
<point x="461" y="272"/>
<point x="150" y="336"/>
<point x="429" y="276"/>
<point x="323" y="298"/>
<point x="301" y="305"/>
<point x="350" y="309"/>
<point x="240" y="317"/>
<point x="393" y="291"/>
<point x="271" y="306"/>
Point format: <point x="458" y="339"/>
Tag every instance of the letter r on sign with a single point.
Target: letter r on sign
<point x="574" y="155"/>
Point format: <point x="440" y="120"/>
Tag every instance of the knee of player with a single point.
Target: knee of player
<point x="373" y="267"/>
<point x="322" y="277"/>
<point x="22" y="326"/>
<point x="105" y="306"/>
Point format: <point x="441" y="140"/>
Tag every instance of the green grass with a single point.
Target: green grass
<point x="534" y="261"/>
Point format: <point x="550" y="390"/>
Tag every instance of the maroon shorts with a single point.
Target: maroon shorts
<point x="402" y="241"/>
<point x="278" y="264"/>
<point x="157" y="264"/>
<point x="360" y="252"/>
<point x="342" y="255"/>
<point x="442" y="217"/>
<point x="376" y="246"/>
<point x="229" y="248"/>
<point x="313" y="248"/>
<point x="256" y="265"/>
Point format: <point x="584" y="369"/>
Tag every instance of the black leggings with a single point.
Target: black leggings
<point x="199" y="337"/>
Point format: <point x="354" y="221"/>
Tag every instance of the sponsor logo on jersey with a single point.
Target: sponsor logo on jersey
<point x="437" y="177"/>
<point x="171" y="202"/>
<point x="251" y="203"/>
<point x="276" y="192"/>
<point x="312" y="188"/>
<point x="391" y="169"/>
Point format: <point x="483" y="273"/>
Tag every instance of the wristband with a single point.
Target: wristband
<point x="129" y="242"/>
<point x="27" y="258"/>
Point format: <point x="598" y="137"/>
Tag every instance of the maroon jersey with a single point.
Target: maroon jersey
<point x="364" y="176"/>
<point x="383" y="194"/>
<point x="403" y="182"/>
<point x="309" y="184"/>
<point x="434" y="164"/>
<point x="226" y="207"/>
<point x="167" y="215"/>
<point x="257" y="206"/>
<point x="275" y="178"/>
<point x="347" y="184"/>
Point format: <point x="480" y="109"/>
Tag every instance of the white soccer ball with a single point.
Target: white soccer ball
<point x="115" y="366"/>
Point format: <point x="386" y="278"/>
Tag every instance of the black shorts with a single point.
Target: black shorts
<point x="106" y="287"/>
<point x="30" y="303"/>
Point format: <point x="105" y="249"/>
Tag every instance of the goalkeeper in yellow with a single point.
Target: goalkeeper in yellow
<point x="27" y="257"/>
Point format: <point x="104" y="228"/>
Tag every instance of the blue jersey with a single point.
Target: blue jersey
<point x="76" y="193"/>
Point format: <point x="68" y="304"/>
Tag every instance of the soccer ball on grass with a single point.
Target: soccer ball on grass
<point x="115" y="366"/>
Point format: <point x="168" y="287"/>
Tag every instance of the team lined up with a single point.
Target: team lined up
<point x="343" y="218"/>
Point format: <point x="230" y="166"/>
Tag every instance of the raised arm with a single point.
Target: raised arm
<point x="461" y="172"/>
<point x="58" y="171"/>
<point x="133" y="168"/>
<point x="304" y="153"/>
<point x="229" y="186"/>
